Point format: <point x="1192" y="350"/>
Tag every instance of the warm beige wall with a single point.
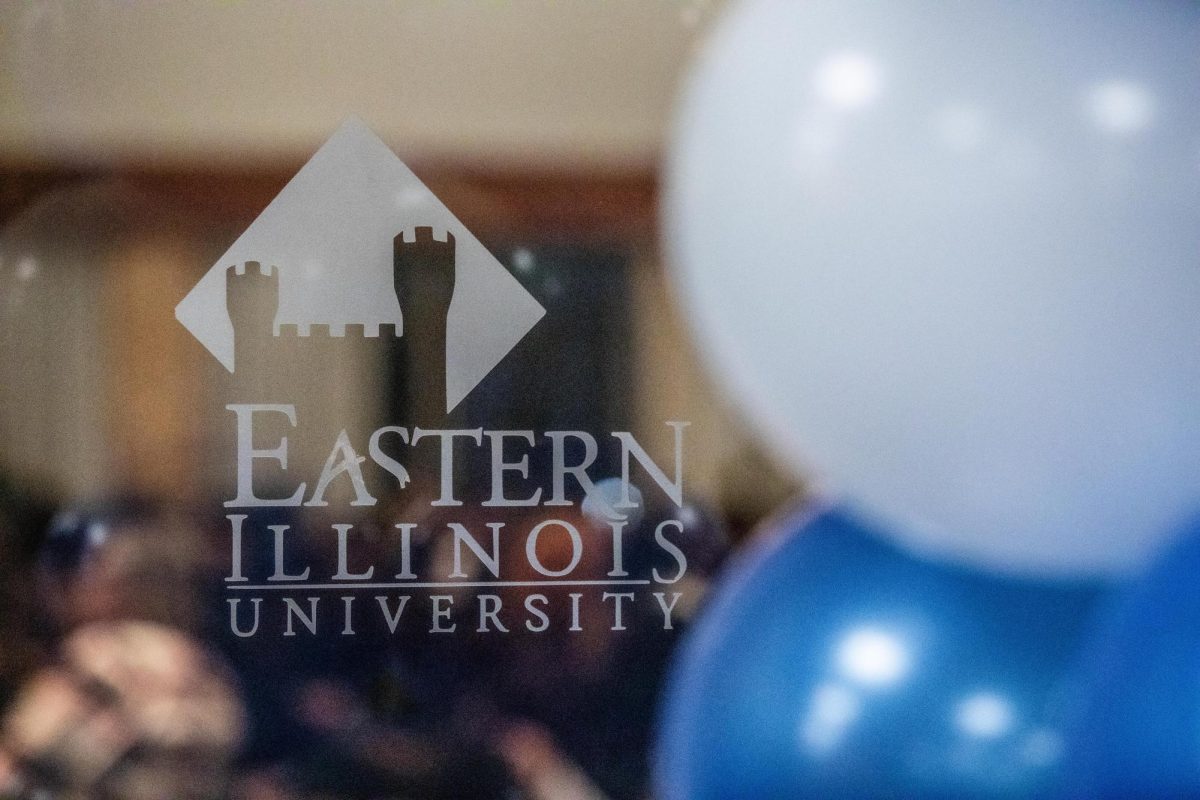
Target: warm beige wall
<point x="568" y="82"/>
<point x="726" y="465"/>
<point x="571" y="85"/>
<point x="101" y="390"/>
<point x="52" y="427"/>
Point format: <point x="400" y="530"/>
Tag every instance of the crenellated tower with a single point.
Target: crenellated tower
<point x="423" y="275"/>
<point x="252" y="300"/>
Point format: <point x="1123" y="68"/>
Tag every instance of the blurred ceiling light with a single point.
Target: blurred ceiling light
<point x="873" y="657"/>
<point x="602" y="504"/>
<point x="27" y="269"/>
<point x="412" y="196"/>
<point x="848" y="80"/>
<point x="1121" y="108"/>
<point x="985" y="715"/>
<point x="523" y="259"/>
<point x="97" y="534"/>
<point x="689" y="516"/>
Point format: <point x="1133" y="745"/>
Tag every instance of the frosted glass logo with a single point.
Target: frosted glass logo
<point x="482" y="529"/>
<point x="329" y="250"/>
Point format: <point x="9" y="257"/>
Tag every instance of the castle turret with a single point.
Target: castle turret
<point x="252" y="300"/>
<point x="423" y="276"/>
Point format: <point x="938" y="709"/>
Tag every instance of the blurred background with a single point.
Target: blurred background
<point x="921" y="276"/>
<point x="137" y="141"/>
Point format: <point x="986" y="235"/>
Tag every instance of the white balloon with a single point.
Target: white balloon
<point x="948" y="256"/>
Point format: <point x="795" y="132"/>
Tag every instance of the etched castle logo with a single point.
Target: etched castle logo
<point x="348" y="249"/>
<point x="423" y="274"/>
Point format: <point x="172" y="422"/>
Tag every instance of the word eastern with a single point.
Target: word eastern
<point x="345" y="460"/>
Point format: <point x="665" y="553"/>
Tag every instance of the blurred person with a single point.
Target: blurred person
<point x="348" y="717"/>
<point x="132" y="704"/>
<point x="540" y="768"/>
<point x="126" y="559"/>
<point x="23" y="519"/>
<point x="569" y="708"/>
<point x="550" y="715"/>
<point x="131" y="710"/>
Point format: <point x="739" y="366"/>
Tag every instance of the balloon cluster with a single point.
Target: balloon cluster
<point x="947" y="256"/>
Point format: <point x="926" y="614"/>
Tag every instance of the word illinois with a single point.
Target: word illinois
<point x="471" y="559"/>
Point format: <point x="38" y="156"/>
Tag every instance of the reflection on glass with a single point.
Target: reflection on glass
<point x="410" y="197"/>
<point x="523" y="260"/>
<point x="27" y="269"/>
<point x="97" y="534"/>
<point x="606" y="502"/>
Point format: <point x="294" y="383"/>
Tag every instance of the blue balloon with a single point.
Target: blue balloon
<point x="1136" y="730"/>
<point x="830" y="663"/>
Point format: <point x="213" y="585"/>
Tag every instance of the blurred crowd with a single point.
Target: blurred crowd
<point x="120" y="676"/>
